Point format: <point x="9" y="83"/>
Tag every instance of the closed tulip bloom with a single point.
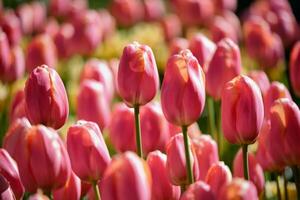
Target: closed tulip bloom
<point x="218" y="176"/>
<point x="6" y="192"/>
<point x="46" y="100"/>
<point x="71" y="190"/>
<point x="99" y="70"/>
<point x="171" y="26"/>
<point x="178" y="44"/>
<point x="161" y="185"/>
<point x="256" y="174"/>
<point x="4" y="54"/>
<point x="108" y="23"/>
<point x="39" y="15"/>
<point x="242" y="110"/>
<point x="176" y="162"/>
<point x="225" y="64"/>
<point x="25" y="14"/>
<point x="206" y="151"/>
<point x="295" y="68"/>
<point x="10" y="24"/>
<point x="183" y="89"/>
<point x="41" y="51"/>
<point x="261" y="79"/>
<point x="153" y="10"/>
<point x="197" y="191"/>
<point x="222" y="28"/>
<point x="127" y="177"/>
<point x="17" y="106"/>
<point x="138" y="79"/>
<point x="87" y="150"/>
<point x="239" y="189"/>
<point x="62" y="40"/>
<point x="9" y="169"/>
<point x="276" y="91"/>
<point x="59" y="8"/>
<point x="92" y="104"/>
<point x="202" y="48"/>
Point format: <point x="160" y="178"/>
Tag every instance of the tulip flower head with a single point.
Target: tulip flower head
<point x="295" y="68"/>
<point x="198" y="190"/>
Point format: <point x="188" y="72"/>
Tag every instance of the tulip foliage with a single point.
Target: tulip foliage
<point x="149" y="100"/>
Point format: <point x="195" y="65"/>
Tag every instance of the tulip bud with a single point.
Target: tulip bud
<point x="202" y="48"/>
<point x="46" y="100"/>
<point x="25" y="14"/>
<point x="6" y="192"/>
<point x="10" y="24"/>
<point x="176" y="162"/>
<point x="256" y="174"/>
<point x="128" y="176"/>
<point x="178" y="44"/>
<point x="183" y="89"/>
<point x="4" y="54"/>
<point x="17" y="106"/>
<point x="222" y="28"/>
<point x="99" y="71"/>
<point x="224" y="66"/>
<point x="238" y="189"/>
<point x="153" y="9"/>
<point x="138" y="79"/>
<point x="218" y="176"/>
<point x="171" y="27"/>
<point x="87" y="150"/>
<point x="41" y="157"/>
<point x="39" y="15"/>
<point x="71" y="190"/>
<point x="59" y="8"/>
<point x="261" y="79"/>
<point x="9" y="169"/>
<point x="41" y="51"/>
<point x="108" y="23"/>
<point x="161" y="186"/>
<point x="295" y="68"/>
<point x="92" y="104"/>
<point x="62" y="40"/>
<point x="198" y="190"/>
<point x="206" y="151"/>
<point x="242" y="110"/>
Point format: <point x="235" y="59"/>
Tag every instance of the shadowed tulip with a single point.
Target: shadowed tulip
<point x="138" y="79"/>
<point x="153" y="9"/>
<point x="161" y="186"/>
<point x="178" y="44"/>
<point x="87" y="150"/>
<point x="71" y="190"/>
<point x="46" y="100"/>
<point x="242" y="110"/>
<point x="6" y="192"/>
<point x="128" y="177"/>
<point x="206" y="151"/>
<point x="17" y="106"/>
<point x="261" y="79"/>
<point x="85" y="188"/>
<point x="176" y="162"/>
<point x="238" y="189"/>
<point x="9" y="169"/>
<point x="256" y="174"/>
<point x="92" y="104"/>
<point x="218" y="176"/>
<point x="183" y="89"/>
<point x="221" y="28"/>
<point x="10" y="24"/>
<point x="197" y="191"/>
<point x="295" y="68"/>
<point x="202" y="48"/>
<point x="171" y="27"/>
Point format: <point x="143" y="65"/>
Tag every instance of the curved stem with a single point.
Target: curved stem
<point x="278" y="187"/>
<point x="245" y="161"/>
<point x="189" y="169"/>
<point x="138" y="131"/>
<point x="96" y="191"/>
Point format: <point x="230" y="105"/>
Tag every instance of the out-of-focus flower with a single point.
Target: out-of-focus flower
<point x="25" y="14"/>
<point x="108" y="23"/>
<point x="62" y="40"/>
<point x="261" y="79"/>
<point x="153" y="9"/>
<point x="223" y="5"/>
<point x="220" y="28"/>
<point x="183" y="89"/>
<point x="46" y="100"/>
<point x="10" y="24"/>
<point x="198" y="190"/>
<point x="178" y="44"/>
<point x="51" y="27"/>
<point x="171" y="27"/>
<point x="59" y="8"/>
<point x="17" y="106"/>
<point x="295" y="68"/>
<point x="242" y="110"/>
<point x="71" y="190"/>
<point x="4" y="54"/>
<point x="39" y="15"/>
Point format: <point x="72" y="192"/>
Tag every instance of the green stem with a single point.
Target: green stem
<point x="189" y="169"/>
<point x="286" y="194"/>
<point x="278" y="187"/>
<point x="297" y="179"/>
<point x="96" y="191"/>
<point x="211" y="117"/>
<point x="138" y="131"/>
<point x="245" y="161"/>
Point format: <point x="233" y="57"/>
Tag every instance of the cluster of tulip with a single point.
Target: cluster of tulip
<point x="126" y="136"/>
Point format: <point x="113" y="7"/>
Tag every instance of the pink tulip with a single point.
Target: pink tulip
<point x="178" y="44"/>
<point x="59" y="8"/>
<point x="99" y="70"/>
<point x="206" y="151"/>
<point x="38" y="196"/>
<point x="202" y="48"/>
<point x="10" y="24"/>
<point x="198" y="190"/>
<point x="221" y="28"/>
<point x="41" y="51"/>
<point x="4" y="54"/>
<point x="87" y="150"/>
<point x="39" y="15"/>
<point x="138" y="79"/>
<point x="171" y="27"/>
<point x="62" y="40"/>
<point x="71" y="190"/>
<point x="218" y="176"/>
<point x="221" y="5"/>
<point x="9" y="169"/>
<point x="92" y="104"/>
<point x="76" y="9"/>
<point x="17" y="106"/>
<point x="183" y="89"/>
<point x="295" y="68"/>
<point x="261" y="79"/>
<point x="193" y="130"/>
<point x="6" y="192"/>
<point x="46" y="100"/>
<point x="176" y="162"/>
<point x="153" y="9"/>
<point x="256" y="174"/>
<point x="234" y="20"/>
<point x="238" y="189"/>
<point x="224" y="66"/>
<point x="108" y="23"/>
<point x="41" y="156"/>
<point x="25" y="14"/>
<point x="127" y="177"/>
<point x="51" y="27"/>
<point x="276" y="91"/>
<point x="242" y="110"/>
<point x="161" y="186"/>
